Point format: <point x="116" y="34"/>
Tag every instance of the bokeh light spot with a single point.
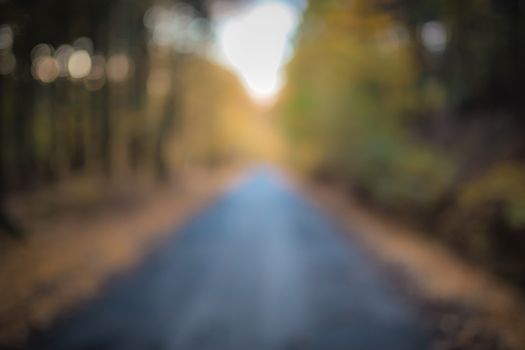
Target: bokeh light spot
<point x="119" y="68"/>
<point x="45" y="69"/>
<point x="79" y="64"/>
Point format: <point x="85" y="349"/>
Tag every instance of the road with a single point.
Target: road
<point x="261" y="268"/>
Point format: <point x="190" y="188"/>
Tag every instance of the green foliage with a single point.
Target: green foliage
<point x="371" y="104"/>
<point x="353" y="105"/>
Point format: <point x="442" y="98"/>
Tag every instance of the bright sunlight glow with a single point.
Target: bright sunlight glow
<point x="256" y="43"/>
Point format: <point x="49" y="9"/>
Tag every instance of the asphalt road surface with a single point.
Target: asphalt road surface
<point x="260" y="269"/>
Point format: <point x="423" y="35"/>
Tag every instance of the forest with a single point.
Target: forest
<point x="262" y="174"/>
<point x="417" y="109"/>
<point x="113" y="91"/>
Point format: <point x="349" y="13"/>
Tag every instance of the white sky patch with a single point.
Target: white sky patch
<point x="256" y="43"/>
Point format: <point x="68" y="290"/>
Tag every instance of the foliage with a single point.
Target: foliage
<point x="383" y="94"/>
<point x="503" y="187"/>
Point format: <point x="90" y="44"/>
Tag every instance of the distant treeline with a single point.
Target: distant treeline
<point x="417" y="106"/>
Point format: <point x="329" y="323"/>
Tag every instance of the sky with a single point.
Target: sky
<point x="255" y="41"/>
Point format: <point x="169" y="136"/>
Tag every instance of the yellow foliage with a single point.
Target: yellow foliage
<point x="503" y="185"/>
